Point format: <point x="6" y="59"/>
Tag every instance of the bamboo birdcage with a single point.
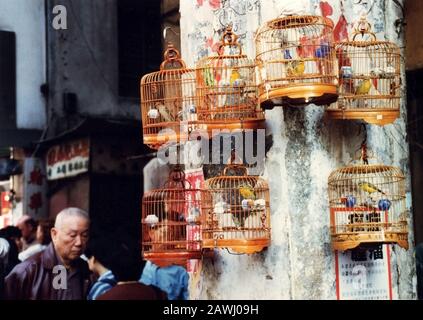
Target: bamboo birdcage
<point x="226" y="86"/>
<point x="171" y="221"/>
<point x="168" y="101"/>
<point x="369" y="78"/>
<point x="367" y="206"/>
<point x="240" y="217"/>
<point x="296" y="61"/>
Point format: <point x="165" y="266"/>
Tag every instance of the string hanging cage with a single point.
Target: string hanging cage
<point x="226" y="86"/>
<point x="168" y="101"/>
<point x="367" y="205"/>
<point x="369" y="78"/>
<point x="240" y="217"/>
<point x="295" y="58"/>
<point x="171" y="221"/>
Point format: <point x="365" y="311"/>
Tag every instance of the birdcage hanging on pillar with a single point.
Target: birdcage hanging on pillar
<point x="367" y="206"/>
<point x="226" y="86"/>
<point x="296" y="60"/>
<point x="240" y="217"/>
<point x="171" y="221"/>
<point x="369" y="78"/>
<point x="168" y="101"/>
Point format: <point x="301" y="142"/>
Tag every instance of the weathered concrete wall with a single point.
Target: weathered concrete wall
<point x="27" y="20"/>
<point x="84" y="59"/>
<point x="306" y="147"/>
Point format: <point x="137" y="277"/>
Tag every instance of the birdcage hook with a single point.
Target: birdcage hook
<point x="172" y="58"/>
<point x="363" y="27"/>
<point x="229" y="39"/>
<point x="165" y="32"/>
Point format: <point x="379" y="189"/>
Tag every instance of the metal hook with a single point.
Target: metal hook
<point x="165" y="32"/>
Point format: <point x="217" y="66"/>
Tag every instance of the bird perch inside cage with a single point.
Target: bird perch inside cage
<point x="296" y="61"/>
<point x="240" y="217"/>
<point x="367" y="205"/>
<point x="369" y="78"/>
<point x="227" y="90"/>
<point x="168" y="101"/>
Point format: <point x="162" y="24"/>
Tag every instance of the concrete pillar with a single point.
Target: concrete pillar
<point x="306" y="147"/>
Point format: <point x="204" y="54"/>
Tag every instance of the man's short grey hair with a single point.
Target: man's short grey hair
<point x="70" y="212"/>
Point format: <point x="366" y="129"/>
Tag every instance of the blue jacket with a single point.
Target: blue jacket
<point x="173" y="280"/>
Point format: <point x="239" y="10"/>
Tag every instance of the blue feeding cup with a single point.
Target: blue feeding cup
<point x="384" y="204"/>
<point x="350" y="202"/>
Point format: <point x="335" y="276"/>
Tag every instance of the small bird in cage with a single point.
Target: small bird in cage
<point x="165" y="113"/>
<point x="247" y="192"/>
<point x="153" y="113"/>
<point x="363" y="87"/>
<point x="151" y="219"/>
<point x="369" y="188"/>
<point x="193" y="215"/>
<point x="296" y="68"/>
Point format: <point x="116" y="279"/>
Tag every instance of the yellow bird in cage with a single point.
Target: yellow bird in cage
<point x="369" y="188"/>
<point x="247" y="192"/>
<point x="363" y="87"/>
<point x="296" y="68"/>
<point x="235" y="76"/>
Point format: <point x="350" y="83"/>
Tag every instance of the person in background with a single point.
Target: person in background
<point x="171" y="279"/>
<point x="99" y="262"/>
<point x="4" y="251"/>
<point x="58" y="272"/>
<point x="43" y="239"/>
<point x="126" y="267"/>
<point x="28" y="227"/>
<point x="13" y="236"/>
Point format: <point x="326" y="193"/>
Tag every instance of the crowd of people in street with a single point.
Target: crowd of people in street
<point x="46" y="260"/>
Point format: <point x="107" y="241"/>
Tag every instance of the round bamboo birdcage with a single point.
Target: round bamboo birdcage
<point x="367" y="206"/>
<point x="168" y="101"/>
<point x="296" y="60"/>
<point x="171" y="221"/>
<point x="369" y="78"/>
<point x="240" y="217"/>
<point x="226" y="86"/>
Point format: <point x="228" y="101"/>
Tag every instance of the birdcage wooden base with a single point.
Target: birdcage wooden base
<point x="214" y="128"/>
<point x="372" y="116"/>
<point x="244" y="246"/>
<point x="154" y="141"/>
<point x="299" y="94"/>
<point x="164" y="259"/>
<point x="346" y="241"/>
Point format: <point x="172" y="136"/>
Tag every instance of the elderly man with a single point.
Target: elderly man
<point x="28" y="227"/>
<point x="58" y="272"/>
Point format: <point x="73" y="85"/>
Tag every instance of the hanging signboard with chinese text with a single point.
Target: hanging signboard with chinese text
<point x="68" y="159"/>
<point x="35" y="188"/>
<point x="363" y="273"/>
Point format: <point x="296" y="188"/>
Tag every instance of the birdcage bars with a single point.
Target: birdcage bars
<point x="240" y="216"/>
<point x="226" y="86"/>
<point x="171" y="221"/>
<point x="367" y="206"/>
<point x="296" y="61"/>
<point x="369" y="78"/>
<point x="168" y="101"/>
